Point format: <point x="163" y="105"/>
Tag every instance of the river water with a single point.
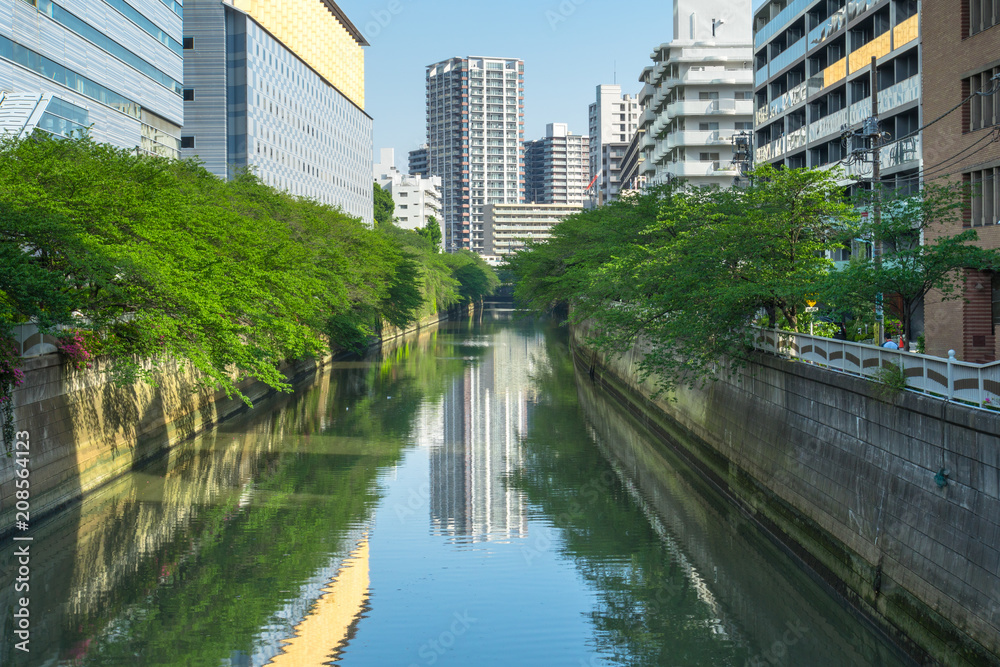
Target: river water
<point x="464" y="497"/>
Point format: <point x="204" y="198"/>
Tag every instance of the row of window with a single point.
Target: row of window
<point x="982" y="14"/>
<point x="983" y="109"/>
<point x="70" y="21"/>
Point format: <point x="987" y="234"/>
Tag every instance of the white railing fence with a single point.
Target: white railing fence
<point x="31" y="342"/>
<point x="977" y="385"/>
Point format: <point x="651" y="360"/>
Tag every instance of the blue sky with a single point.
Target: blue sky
<point x="569" y="47"/>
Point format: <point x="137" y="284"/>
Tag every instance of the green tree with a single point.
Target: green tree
<point x="687" y="270"/>
<point x="475" y="277"/>
<point x="432" y="232"/>
<point x="907" y="268"/>
<point x="163" y="260"/>
<point x="385" y="207"/>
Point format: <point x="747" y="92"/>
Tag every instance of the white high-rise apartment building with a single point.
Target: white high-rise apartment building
<point x="698" y="94"/>
<point x="475" y="140"/>
<point x="614" y="119"/>
<point x="556" y="168"/>
<point x="417" y="198"/>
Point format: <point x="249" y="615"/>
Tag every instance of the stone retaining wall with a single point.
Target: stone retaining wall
<point x="847" y="483"/>
<point x="85" y="431"/>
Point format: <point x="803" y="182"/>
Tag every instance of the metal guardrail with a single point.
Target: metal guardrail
<point x="977" y="385"/>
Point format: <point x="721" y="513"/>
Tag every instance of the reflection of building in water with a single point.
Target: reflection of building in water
<point x="323" y="634"/>
<point x="486" y="415"/>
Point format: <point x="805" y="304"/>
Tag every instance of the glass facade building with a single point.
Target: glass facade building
<point x="111" y="66"/>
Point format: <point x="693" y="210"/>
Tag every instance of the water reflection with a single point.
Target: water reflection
<point x="322" y="527"/>
<point x="485" y="415"/>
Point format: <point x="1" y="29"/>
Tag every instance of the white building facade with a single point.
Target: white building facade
<point x="475" y="140"/>
<point x="509" y="227"/>
<point x="293" y="115"/>
<point x="698" y="94"/>
<point x="417" y="198"/>
<point x="614" y="119"/>
<point x="112" y="65"/>
<point x="557" y="167"/>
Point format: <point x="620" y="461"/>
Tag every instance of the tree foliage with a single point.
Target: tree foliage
<point x="688" y="270"/>
<point x="907" y="269"/>
<point x="161" y="260"/>
<point x="432" y="232"/>
<point x="385" y="207"/>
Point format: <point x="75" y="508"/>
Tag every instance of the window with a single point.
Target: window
<point x="708" y="96"/>
<point x="189" y="42"/>
<point x="996" y="301"/>
<point x="189" y="94"/>
<point x="187" y="142"/>
<point x="984" y="196"/>
<point x="982" y="14"/>
<point x="744" y="125"/>
<point x="982" y="110"/>
<point x="708" y="127"/>
<point x="744" y="95"/>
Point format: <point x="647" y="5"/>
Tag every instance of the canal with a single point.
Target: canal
<point x="463" y="497"/>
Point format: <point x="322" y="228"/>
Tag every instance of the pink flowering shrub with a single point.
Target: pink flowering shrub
<point x="11" y="377"/>
<point x="76" y="347"/>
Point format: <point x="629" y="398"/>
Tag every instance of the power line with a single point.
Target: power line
<point x="982" y="93"/>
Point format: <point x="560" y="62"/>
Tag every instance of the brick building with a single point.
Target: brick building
<point x="961" y="57"/>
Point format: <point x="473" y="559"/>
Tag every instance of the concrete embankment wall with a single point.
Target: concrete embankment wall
<point x="84" y="431"/>
<point x="847" y="483"/>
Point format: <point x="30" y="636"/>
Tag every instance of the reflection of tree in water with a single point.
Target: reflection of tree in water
<point x="202" y="594"/>
<point x="649" y="611"/>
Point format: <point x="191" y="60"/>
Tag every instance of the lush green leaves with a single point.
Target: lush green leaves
<point x="906" y="269"/>
<point x="687" y="271"/>
<point x="384" y="206"/>
<point x="163" y="260"/>
<point x="432" y="232"/>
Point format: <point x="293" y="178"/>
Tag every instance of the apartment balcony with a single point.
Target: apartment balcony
<point x="710" y="108"/>
<point x="692" y="168"/>
<point x="696" y="138"/>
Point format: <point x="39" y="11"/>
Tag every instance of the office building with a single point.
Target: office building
<point x="614" y="119"/>
<point x="114" y="67"/>
<point x="417" y="198"/>
<point x="961" y="45"/>
<point x="475" y="140"/>
<point x="279" y="88"/>
<point x="556" y="167"/>
<point x="509" y="227"/>
<point x="418" y="162"/>
<point x="697" y="94"/>
<point x="813" y="84"/>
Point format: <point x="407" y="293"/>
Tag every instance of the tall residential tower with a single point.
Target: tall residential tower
<point x="556" y="167"/>
<point x="475" y="140"/>
<point x="614" y="119"/>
